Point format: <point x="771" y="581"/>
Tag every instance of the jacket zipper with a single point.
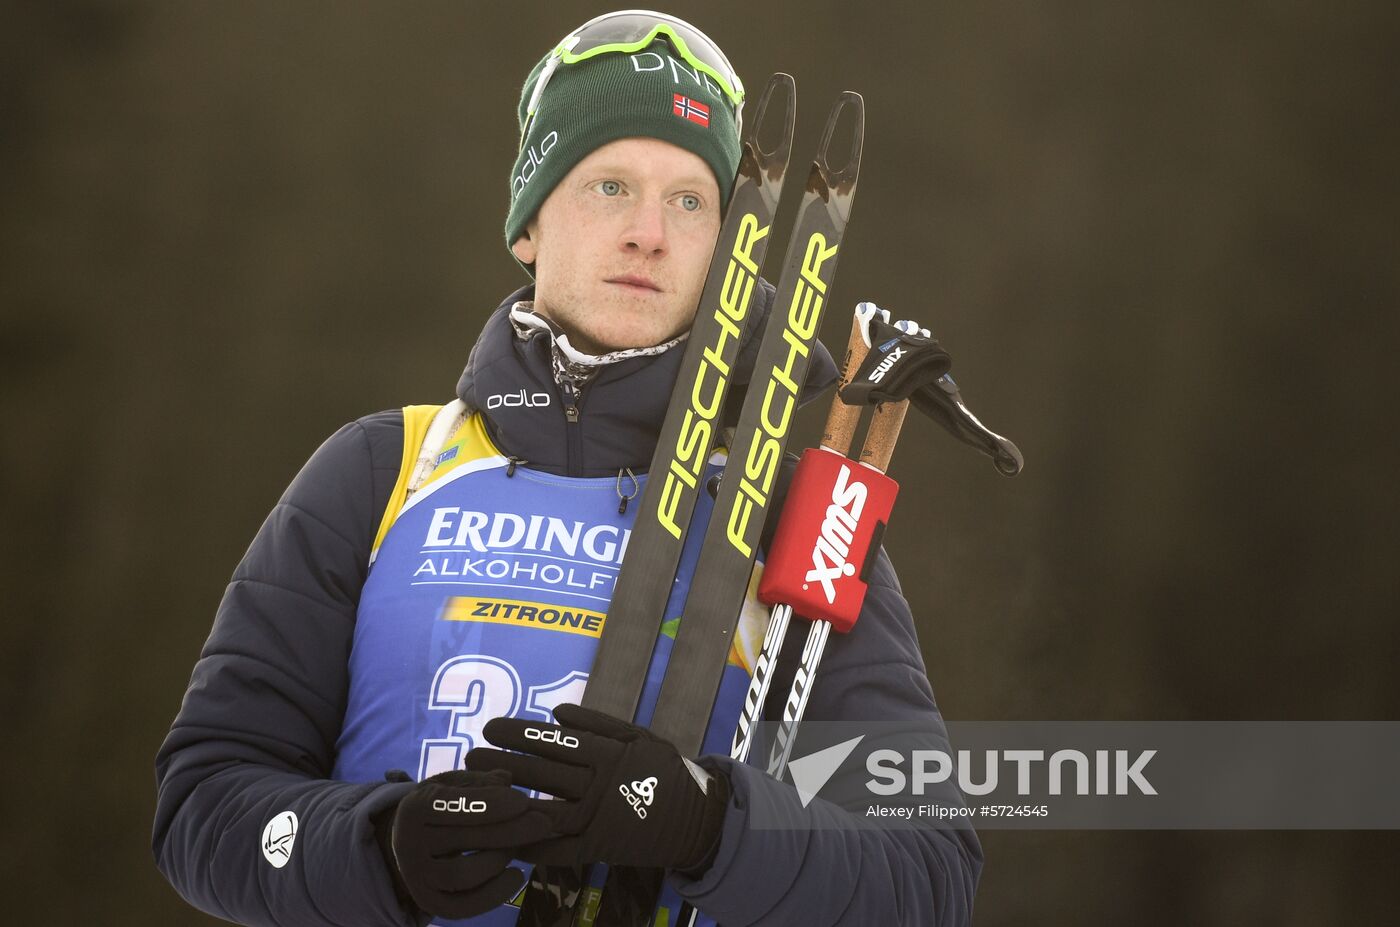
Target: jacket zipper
<point x="573" y="402"/>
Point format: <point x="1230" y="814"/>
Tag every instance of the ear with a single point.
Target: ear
<point x="525" y="249"/>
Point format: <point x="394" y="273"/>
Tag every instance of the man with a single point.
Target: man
<point x="390" y="617"/>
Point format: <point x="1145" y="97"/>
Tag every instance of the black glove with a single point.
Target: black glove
<point x="629" y="797"/>
<point x="450" y="842"/>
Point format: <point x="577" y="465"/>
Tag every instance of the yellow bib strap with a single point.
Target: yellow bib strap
<point x="416" y="420"/>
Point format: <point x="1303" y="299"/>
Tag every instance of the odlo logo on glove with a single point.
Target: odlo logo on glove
<point x="621" y="796"/>
<point x="640" y="794"/>
<point x="551" y="737"/>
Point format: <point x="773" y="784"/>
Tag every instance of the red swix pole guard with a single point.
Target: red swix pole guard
<point x="827" y="538"/>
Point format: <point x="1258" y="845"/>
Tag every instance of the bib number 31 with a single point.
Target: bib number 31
<point x="474" y="688"/>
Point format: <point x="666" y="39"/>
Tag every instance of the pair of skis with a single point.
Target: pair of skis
<point x="676" y="477"/>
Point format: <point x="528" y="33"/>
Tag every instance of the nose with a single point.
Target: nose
<point x="645" y="231"/>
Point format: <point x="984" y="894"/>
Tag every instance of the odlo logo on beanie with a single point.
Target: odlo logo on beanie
<point x="534" y="157"/>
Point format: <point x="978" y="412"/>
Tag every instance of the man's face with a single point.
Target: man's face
<point x="622" y="244"/>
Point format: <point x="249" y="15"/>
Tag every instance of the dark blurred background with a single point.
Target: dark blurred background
<point x="1160" y="241"/>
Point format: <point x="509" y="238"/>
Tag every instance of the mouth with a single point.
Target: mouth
<point x="634" y="283"/>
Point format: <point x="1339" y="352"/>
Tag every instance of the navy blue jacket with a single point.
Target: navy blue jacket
<point x="256" y="732"/>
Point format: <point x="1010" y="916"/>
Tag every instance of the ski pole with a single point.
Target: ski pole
<point x="836" y="513"/>
<point x="880" y="439"/>
<point x="820" y="478"/>
<point x="841" y="422"/>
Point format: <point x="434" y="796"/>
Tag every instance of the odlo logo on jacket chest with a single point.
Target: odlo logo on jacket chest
<point x="460" y="805"/>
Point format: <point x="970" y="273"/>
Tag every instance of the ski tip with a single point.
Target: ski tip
<point x="774" y="162"/>
<point x="837" y="185"/>
<point x="836" y="178"/>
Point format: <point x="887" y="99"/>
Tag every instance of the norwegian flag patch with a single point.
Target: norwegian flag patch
<point x="686" y="108"/>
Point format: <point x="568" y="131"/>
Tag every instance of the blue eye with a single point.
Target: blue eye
<point x="690" y="202"/>
<point x="610" y="188"/>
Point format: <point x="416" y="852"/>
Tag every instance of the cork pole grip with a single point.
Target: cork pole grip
<point x="841" y="421"/>
<point x="882" y="434"/>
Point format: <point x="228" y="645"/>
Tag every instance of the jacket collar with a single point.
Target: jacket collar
<point x="620" y="412"/>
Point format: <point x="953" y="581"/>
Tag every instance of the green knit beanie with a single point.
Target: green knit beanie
<point x="586" y="105"/>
